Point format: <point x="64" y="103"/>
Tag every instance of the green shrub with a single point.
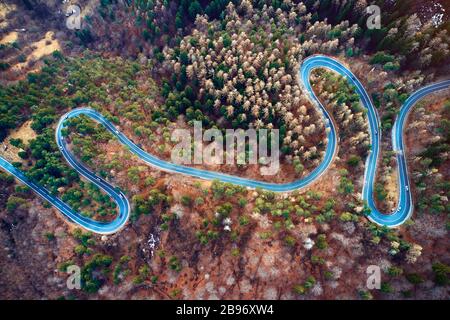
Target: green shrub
<point x="441" y="272"/>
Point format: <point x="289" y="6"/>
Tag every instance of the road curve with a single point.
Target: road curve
<point x="402" y="213"/>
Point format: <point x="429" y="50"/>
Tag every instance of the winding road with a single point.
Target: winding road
<point x="401" y="214"/>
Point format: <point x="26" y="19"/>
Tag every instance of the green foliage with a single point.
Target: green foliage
<point x="242" y="202"/>
<point x="244" y="220"/>
<point x="85" y="242"/>
<point x="345" y="185"/>
<point x="186" y="201"/>
<point x="6" y="178"/>
<point x="317" y="260"/>
<point x="175" y="293"/>
<point x="395" y="271"/>
<point x="174" y="264"/>
<point x="222" y="190"/>
<point x="290" y="241"/>
<point x="298" y="166"/>
<point x="62" y="267"/>
<point x="20" y="99"/>
<point x="17" y="143"/>
<point x="4" y="66"/>
<point x="199" y="201"/>
<point x="380" y="192"/>
<point x="86" y="135"/>
<point x="391" y="66"/>
<point x="304" y="288"/>
<point x="310" y="282"/>
<point x="299" y="289"/>
<point x="43" y="96"/>
<point x="414" y="278"/>
<point x="441" y="273"/>
<point x="235" y="252"/>
<point x="85" y="36"/>
<point x="386" y="287"/>
<point x="354" y="160"/>
<point x="14" y="203"/>
<point x="347" y="217"/>
<point x="142" y="276"/>
<point x="94" y="272"/>
<point x="49" y="236"/>
<point x="225" y="209"/>
<point x="382" y="58"/>
<point x="436" y="152"/>
<point x="145" y="206"/>
<point x="321" y="242"/>
<point x="365" y="295"/>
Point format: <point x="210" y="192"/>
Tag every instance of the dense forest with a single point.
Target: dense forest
<point x="152" y="66"/>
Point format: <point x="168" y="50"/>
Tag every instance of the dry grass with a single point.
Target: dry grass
<point x="4" y="10"/>
<point x="391" y="187"/>
<point x="26" y="133"/>
<point x="9" y="38"/>
<point x="41" y="48"/>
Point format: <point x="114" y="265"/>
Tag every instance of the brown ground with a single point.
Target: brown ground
<point x="26" y="133"/>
